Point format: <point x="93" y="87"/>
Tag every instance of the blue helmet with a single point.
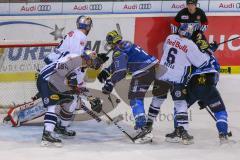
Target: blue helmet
<point x="84" y="22"/>
<point x="186" y="30"/>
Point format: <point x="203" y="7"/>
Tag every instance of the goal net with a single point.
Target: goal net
<point x="18" y="66"/>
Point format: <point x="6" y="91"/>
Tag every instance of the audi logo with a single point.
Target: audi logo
<point x="145" y="6"/>
<point x="237" y="5"/>
<point x="95" y="7"/>
<point x="44" y="8"/>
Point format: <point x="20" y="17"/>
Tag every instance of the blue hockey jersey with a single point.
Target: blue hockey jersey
<point x="129" y="57"/>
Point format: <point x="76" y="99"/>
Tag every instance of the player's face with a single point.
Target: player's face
<point x="191" y="8"/>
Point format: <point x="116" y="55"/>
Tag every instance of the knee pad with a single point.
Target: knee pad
<point x="137" y="107"/>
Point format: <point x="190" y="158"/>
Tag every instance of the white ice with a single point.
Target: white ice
<point x="97" y="141"/>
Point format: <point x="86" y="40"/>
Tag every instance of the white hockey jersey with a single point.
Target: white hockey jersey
<point x="56" y="72"/>
<point x="178" y="55"/>
<point x="73" y="43"/>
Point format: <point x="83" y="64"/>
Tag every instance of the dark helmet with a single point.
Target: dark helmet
<point x="192" y="1"/>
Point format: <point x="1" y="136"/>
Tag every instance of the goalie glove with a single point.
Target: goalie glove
<point x="96" y="104"/>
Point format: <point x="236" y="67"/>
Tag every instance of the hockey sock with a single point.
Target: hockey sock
<point x="222" y="124"/>
<point x="50" y="119"/>
<point x="66" y="113"/>
<point x="154" y="108"/>
<point x="181" y="115"/>
<point x="138" y="112"/>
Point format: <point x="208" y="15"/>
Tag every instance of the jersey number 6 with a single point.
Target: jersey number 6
<point x="171" y="55"/>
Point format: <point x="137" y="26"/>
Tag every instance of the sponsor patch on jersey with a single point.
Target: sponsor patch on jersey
<point x="116" y="54"/>
<point x="54" y="97"/>
<point x="184" y="17"/>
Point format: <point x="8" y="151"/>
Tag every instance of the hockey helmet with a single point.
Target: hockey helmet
<point x="186" y="30"/>
<point x="84" y="22"/>
<point x="113" y="38"/>
<point x="192" y="2"/>
<point x="92" y="59"/>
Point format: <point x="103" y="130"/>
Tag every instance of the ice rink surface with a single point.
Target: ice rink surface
<point x="98" y="141"/>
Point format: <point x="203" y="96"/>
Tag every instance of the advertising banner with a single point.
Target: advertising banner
<point x="137" y="7"/>
<point x="4" y="8"/>
<point x="35" y="8"/>
<point x="27" y="59"/>
<point x="151" y="32"/>
<point x="175" y="6"/>
<point x="224" y="6"/>
<point x="85" y="7"/>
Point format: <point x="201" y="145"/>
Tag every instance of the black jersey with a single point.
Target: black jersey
<point x="198" y="18"/>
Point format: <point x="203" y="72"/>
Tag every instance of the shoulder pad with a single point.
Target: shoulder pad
<point x="116" y="53"/>
<point x="125" y="45"/>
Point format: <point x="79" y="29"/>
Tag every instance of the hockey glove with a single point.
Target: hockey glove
<point x="103" y="57"/>
<point x="96" y="104"/>
<point x="213" y="46"/>
<point x="108" y="87"/>
<point x="103" y="75"/>
<point x="201" y="104"/>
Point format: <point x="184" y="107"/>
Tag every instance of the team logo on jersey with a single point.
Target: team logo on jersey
<point x="184" y="17"/>
<point x="54" y="97"/>
<point x="201" y="79"/>
<point x="46" y="100"/>
<point x="178" y="94"/>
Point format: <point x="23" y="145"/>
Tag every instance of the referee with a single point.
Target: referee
<point x="191" y="14"/>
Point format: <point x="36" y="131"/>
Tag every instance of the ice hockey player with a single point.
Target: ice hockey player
<point x="130" y="57"/>
<point x="56" y="83"/>
<point x="191" y="15"/>
<point x="179" y="54"/>
<point x="74" y="42"/>
<point x="202" y="87"/>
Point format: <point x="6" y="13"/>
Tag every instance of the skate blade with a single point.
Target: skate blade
<point x="187" y="142"/>
<point x="173" y="140"/>
<point x="227" y="142"/>
<point x="48" y="144"/>
<point x="146" y="139"/>
<point x="66" y="137"/>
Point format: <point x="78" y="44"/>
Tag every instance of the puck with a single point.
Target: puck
<point x="118" y="100"/>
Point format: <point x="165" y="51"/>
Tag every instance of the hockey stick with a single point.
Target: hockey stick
<point x="118" y="29"/>
<point x="228" y="40"/>
<point x="119" y="127"/>
<point x="215" y="119"/>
